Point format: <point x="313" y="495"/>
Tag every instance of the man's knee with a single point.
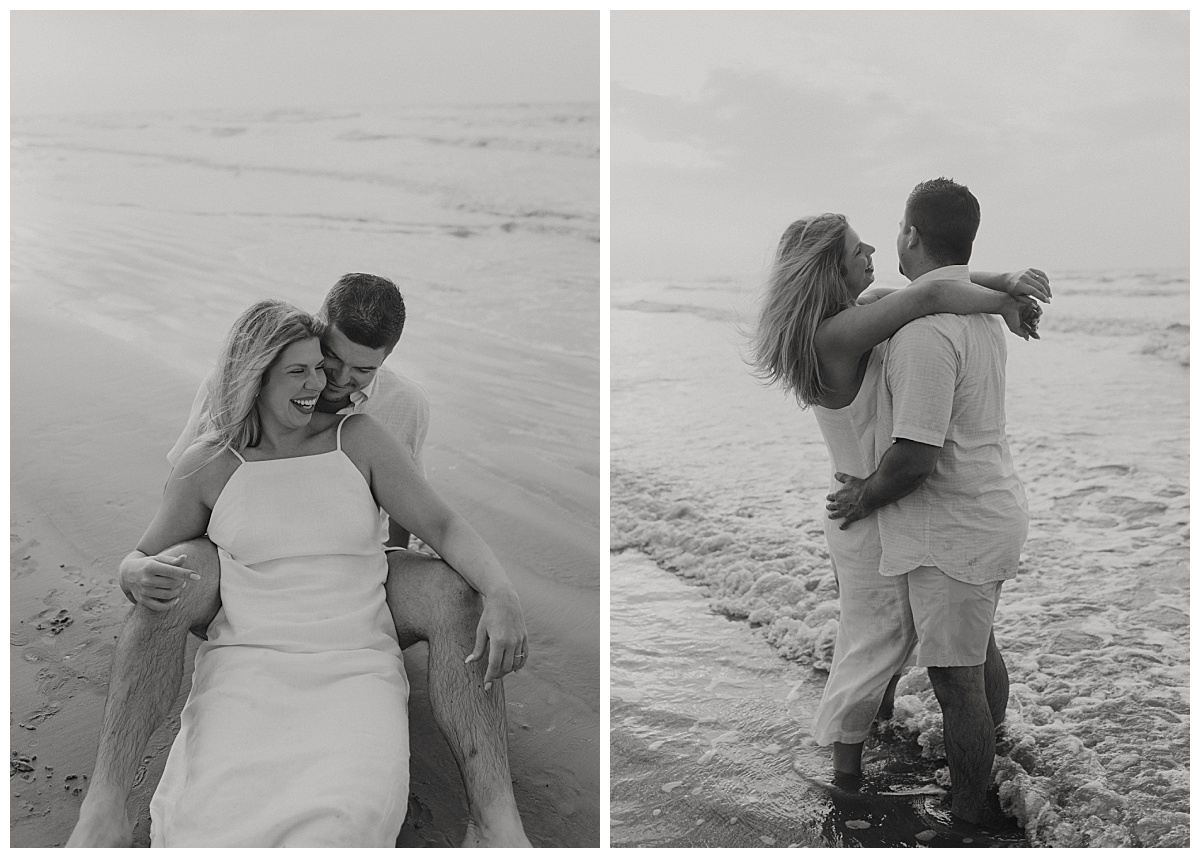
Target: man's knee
<point x="956" y="685"/>
<point x="200" y="599"/>
<point x="428" y="598"/>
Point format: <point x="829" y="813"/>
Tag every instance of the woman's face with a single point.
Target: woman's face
<point x="856" y="262"/>
<point x="293" y="383"/>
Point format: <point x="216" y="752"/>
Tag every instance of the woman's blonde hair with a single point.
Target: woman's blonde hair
<point x="807" y="285"/>
<point x="230" y="420"/>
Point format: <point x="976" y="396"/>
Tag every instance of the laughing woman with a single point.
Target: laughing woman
<point x="295" y="732"/>
<point x="816" y="337"/>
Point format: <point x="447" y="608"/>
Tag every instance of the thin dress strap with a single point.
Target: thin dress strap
<point x="239" y="455"/>
<point x="339" y="430"/>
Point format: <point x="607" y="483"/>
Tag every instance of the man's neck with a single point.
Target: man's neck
<point x="326" y="407"/>
<point x="920" y="268"/>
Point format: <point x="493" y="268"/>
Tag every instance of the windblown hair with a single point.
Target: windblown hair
<point x="366" y="308"/>
<point x="230" y="420"/>
<point x="807" y="285"/>
<point x="946" y="215"/>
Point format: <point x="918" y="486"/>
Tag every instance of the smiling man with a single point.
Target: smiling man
<point x="180" y="590"/>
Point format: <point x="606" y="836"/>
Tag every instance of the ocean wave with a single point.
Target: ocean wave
<point x="1099" y="702"/>
<point x="1170" y="341"/>
<point x="646" y="306"/>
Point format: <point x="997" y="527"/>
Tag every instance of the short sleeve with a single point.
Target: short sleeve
<point x="192" y="429"/>
<point x="921" y="374"/>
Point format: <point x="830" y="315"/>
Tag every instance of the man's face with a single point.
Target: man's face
<point x="902" y="251"/>
<point x="348" y="366"/>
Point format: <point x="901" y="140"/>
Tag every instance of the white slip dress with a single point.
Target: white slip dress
<point x="296" y="729"/>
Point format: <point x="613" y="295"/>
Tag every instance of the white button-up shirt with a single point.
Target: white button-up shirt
<point x="943" y="385"/>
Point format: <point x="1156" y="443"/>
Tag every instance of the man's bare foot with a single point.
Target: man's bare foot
<point x="102" y="823"/>
<point x="496" y="830"/>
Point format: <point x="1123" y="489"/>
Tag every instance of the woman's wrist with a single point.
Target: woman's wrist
<point x="504" y="592"/>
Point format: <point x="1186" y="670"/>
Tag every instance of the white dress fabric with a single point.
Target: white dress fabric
<point x="875" y="637"/>
<point x="296" y="729"/>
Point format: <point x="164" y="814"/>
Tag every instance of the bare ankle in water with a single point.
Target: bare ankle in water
<point x="847" y="758"/>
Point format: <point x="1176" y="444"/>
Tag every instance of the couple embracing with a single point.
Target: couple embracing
<point x="281" y="539"/>
<point x="926" y="515"/>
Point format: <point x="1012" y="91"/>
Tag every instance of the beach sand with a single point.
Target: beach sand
<point x="722" y="482"/>
<point x="138" y="240"/>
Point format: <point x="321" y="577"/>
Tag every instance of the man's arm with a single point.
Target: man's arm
<point x="902" y="470"/>
<point x="921" y="373"/>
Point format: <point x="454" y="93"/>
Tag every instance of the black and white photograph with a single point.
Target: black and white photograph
<point x="899" y="464"/>
<point x="305" y="429"/>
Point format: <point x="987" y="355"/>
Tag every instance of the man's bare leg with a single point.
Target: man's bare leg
<point x="429" y="601"/>
<point x="970" y="737"/>
<point x="995" y="682"/>
<point x="147" y="669"/>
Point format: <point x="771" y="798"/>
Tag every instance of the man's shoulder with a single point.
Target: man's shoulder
<point x="937" y="328"/>
<point x="390" y="385"/>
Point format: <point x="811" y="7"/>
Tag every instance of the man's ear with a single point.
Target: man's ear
<point x="912" y="238"/>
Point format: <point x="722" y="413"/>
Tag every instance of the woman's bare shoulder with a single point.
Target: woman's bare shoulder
<point x="199" y="471"/>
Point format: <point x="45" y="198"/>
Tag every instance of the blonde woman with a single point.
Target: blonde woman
<point x="295" y="732"/>
<point x="816" y="337"/>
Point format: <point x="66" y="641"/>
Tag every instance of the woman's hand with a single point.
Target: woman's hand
<point x="501" y="631"/>
<point x="1028" y="286"/>
<point x="155" y="581"/>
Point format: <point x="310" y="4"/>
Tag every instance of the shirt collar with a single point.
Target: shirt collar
<point x="946" y="272"/>
<point x="358" y="397"/>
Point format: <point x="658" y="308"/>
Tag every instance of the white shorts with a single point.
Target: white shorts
<point x="953" y="619"/>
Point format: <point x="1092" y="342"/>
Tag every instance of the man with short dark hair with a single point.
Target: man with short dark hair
<point x="952" y="512"/>
<point x="179" y="590"/>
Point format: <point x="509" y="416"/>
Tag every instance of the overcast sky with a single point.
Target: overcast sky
<point x="73" y="61"/>
<point x="1070" y="128"/>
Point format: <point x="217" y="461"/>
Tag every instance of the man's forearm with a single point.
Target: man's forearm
<point x="902" y="470"/>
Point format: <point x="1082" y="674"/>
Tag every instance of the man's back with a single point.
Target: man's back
<point x="943" y="385"/>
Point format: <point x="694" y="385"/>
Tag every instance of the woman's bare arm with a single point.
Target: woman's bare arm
<point x="149" y="577"/>
<point x="405" y="495"/>
<point x="1029" y="283"/>
<point x="856" y="330"/>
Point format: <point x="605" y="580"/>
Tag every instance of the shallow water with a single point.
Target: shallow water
<point x="721" y="482"/>
<point x="709" y="733"/>
<point x="705" y="720"/>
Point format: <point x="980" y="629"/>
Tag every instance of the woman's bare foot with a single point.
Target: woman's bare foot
<point x="102" y="823"/>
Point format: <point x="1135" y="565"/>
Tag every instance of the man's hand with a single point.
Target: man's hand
<point x="1022" y="319"/>
<point x="501" y="631"/>
<point x="1028" y="286"/>
<point x="155" y="581"/>
<point x="847" y="502"/>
